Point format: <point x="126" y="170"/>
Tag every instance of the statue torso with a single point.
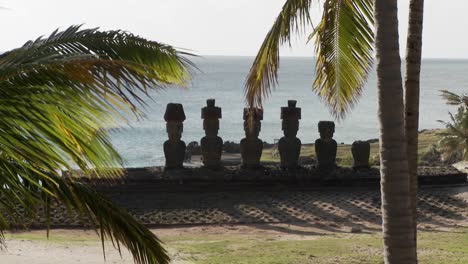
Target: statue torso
<point x="289" y="149"/>
<point x="174" y="151"/>
<point x="251" y="151"/>
<point x="326" y="152"/>
<point x="211" y="148"/>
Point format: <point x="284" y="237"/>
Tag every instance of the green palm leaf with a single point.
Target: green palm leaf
<point x="344" y="47"/>
<point x="454" y="139"/>
<point x="264" y="71"/>
<point x="115" y="223"/>
<point x="454" y="99"/>
<point x="344" y="42"/>
<point x="58" y="96"/>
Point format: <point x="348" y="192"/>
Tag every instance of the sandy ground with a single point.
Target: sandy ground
<point x="83" y="246"/>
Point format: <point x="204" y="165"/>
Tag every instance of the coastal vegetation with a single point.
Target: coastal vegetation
<point x="57" y="94"/>
<point x="454" y="139"/>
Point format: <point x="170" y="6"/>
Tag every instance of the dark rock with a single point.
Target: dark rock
<point x="307" y="161"/>
<point x="231" y="147"/>
<point x="356" y="229"/>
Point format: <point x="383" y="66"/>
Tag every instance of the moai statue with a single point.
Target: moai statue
<point x="325" y="146"/>
<point x="211" y="144"/>
<point x="361" y="154"/>
<point x="289" y="146"/>
<point x="251" y="147"/>
<point x="174" y="148"/>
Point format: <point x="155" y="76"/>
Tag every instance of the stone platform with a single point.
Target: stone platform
<point x="328" y="208"/>
<point x="158" y="199"/>
<point x="231" y="176"/>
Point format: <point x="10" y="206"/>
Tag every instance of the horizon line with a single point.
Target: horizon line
<point x="301" y="56"/>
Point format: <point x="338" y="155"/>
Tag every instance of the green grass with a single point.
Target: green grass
<point x="233" y="249"/>
<point x="435" y="247"/>
<point x="427" y="139"/>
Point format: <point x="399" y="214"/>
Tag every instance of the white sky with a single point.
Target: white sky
<point x="210" y="27"/>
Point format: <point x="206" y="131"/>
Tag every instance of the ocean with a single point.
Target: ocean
<point x="141" y="141"/>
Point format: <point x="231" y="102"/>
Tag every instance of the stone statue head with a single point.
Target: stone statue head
<point x="290" y="127"/>
<point x="252" y="129"/>
<point x="252" y="121"/>
<point x="211" y="115"/>
<point x="290" y="116"/>
<point x="174" y="130"/>
<point x="211" y="127"/>
<point x="326" y="129"/>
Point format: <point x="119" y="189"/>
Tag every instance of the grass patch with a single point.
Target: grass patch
<point x="434" y="248"/>
<point x="427" y="138"/>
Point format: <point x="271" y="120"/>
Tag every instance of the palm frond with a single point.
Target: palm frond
<point x="58" y="95"/>
<point x="453" y="98"/>
<point x="344" y="46"/>
<point x="344" y="42"/>
<point x="454" y="139"/>
<point x="114" y="62"/>
<point x="115" y="223"/>
<point x="263" y="74"/>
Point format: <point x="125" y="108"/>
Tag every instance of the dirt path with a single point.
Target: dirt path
<point x="64" y="247"/>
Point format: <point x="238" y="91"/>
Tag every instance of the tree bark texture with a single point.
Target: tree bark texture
<point x="399" y="246"/>
<point x="412" y="88"/>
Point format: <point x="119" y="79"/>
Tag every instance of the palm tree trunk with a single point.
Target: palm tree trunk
<point x="399" y="246"/>
<point x="413" y="69"/>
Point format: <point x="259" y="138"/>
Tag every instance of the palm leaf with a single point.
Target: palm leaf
<point x="454" y="99"/>
<point x="59" y="92"/>
<point x="344" y="47"/>
<point x="454" y="139"/>
<point x="264" y="71"/>
<point x="115" y="223"/>
<point x="344" y="42"/>
<point x="58" y="96"/>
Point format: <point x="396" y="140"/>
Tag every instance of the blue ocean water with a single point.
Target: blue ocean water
<point x="222" y="78"/>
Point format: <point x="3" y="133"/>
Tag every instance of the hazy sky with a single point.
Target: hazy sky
<point x="211" y="27"/>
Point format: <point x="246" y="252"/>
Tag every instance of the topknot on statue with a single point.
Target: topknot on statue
<point x="210" y="111"/>
<point x="291" y="111"/>
<point x="174" y="112"/>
